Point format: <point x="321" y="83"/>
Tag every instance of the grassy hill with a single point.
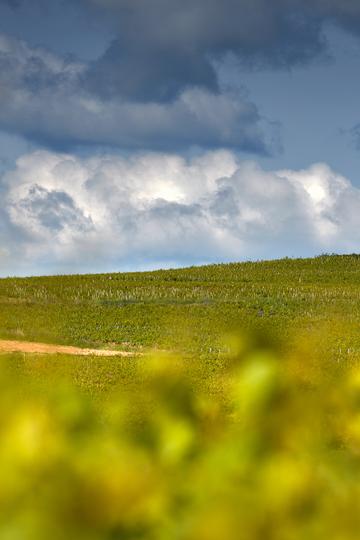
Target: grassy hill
<point x="189" y="310"/>
<point x="260" y="442"/>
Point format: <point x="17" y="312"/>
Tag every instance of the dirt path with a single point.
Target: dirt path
<point x="7" y="346"/>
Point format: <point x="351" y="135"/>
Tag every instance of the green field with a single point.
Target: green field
<point x="239" y="419"/>
<point x="188" y="310"/>
<point x="140" y="309"/>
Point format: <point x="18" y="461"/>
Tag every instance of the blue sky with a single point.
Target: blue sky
<point x="162" y="133"/>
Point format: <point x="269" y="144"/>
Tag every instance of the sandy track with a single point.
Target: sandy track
<point x="7" y="346"/>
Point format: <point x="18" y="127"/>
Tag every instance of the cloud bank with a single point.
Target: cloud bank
<point x="164" y="46"/>
<point x="42" y="96"/>
<point x="62" y="213"/>
<point x="156" y="83"/>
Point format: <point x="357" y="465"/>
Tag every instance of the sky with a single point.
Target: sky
<point x="141" y="134"/>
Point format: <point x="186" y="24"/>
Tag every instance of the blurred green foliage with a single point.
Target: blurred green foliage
<point x="271" y="452"/>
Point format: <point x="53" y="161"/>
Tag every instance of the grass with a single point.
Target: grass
<point x="247" y="428"/>
<point x="188" y="310"/>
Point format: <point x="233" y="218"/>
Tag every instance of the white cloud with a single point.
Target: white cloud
<point x="66" y="213"/>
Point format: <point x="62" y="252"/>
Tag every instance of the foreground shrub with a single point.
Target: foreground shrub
<point x="272" y="451"/>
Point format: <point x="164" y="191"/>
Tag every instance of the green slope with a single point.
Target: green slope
<point x="261" y="443"/>
<point x="189" y="309"/>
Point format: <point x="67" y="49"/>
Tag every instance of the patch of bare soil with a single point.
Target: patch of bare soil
<point x="9" y="346"/>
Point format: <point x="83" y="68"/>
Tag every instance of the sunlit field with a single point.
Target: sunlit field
<point x="189" y="310"/>
<point x="236" y="416"/>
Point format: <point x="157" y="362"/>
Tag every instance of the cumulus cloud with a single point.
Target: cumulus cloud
<point x="42" y="97"/>
<point x="64" y="213"/>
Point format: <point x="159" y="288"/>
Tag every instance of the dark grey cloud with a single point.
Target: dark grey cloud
<point x="345" y="13"/>
<point x="158" y="48"/>
<point x="42" y="98"/>
<point x="165" y="46"/>
<point x="12" y="3"/>
<point x="62" y="26"/>
<point x="156" y="85"/>
<point x="146" y="74"/>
